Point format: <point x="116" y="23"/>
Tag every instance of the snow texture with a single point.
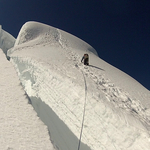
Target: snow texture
<point x="116" y="107"/>
<point x="20" y="128"/>
<point x="7" y="41"/>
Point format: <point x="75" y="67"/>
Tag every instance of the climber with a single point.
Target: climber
<point x="86" y="59"/>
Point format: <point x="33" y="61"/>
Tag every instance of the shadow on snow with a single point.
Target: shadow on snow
<point x="96" y="67"/>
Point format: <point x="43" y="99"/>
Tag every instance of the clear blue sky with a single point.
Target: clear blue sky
<point x="118" y="29"/>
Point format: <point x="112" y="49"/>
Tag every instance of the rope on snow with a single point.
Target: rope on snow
<point x="84" y="116"/>
<point x="83" y="111"/>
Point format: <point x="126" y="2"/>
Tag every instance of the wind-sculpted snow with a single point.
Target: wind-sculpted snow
<point x="117" y="112"/>
<point x="20" y="128"/>
<point x="36" y="34"/>
<point x="7" y="41"/>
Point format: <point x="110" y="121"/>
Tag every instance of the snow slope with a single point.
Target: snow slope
<point x="20" y="128"/>
<point x="7" y="41"/>
<point x="116" y="107"/>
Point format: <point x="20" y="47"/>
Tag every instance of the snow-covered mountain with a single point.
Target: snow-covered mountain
<point x="7" y="41"/>
<point x="97" y="105"/>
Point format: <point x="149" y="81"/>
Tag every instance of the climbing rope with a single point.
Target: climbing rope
<point x="83" y="111"/>
<point x="85" y="101"/>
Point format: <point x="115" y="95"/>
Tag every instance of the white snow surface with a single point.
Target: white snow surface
<point x="117" y="107"/>
<point x="20" y="128"/>
<point x="7" y="41"/>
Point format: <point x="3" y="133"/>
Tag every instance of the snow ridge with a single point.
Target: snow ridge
<point x="50" y="69"/>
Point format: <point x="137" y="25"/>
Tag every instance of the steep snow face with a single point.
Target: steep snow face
<point x="20" y="127"/>
<point x="7" y="41"/>
<point x="116" y="108"/>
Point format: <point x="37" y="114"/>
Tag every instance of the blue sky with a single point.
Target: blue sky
<point x="119" y="30"/>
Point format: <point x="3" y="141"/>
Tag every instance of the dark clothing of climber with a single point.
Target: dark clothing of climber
<point x="86" y="59"/>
